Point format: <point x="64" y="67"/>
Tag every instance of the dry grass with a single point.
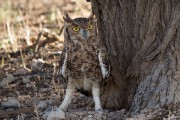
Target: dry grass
<point x="22" y="20"/>
<point x="21" y="23"/>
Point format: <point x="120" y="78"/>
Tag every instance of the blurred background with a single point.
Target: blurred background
<point x="33" y="29"/>
<point x="22" y="20"/>
<point x="31" y="40"/>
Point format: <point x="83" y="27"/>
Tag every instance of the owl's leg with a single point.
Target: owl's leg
<point x="96" y="96"/>
<point x="68" y="97"/>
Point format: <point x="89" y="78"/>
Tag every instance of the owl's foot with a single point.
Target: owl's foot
<point x="56" y="115"/>
<point x="63" y="108"/>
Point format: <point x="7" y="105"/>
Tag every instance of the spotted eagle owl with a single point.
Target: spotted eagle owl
<point x="84" y="62"/>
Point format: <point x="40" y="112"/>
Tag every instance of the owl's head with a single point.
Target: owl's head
<point x="82" y="28"/>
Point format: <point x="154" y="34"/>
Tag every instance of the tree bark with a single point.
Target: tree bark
<point x="143" y="41"/>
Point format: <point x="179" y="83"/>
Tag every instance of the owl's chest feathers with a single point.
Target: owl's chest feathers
<point x="83" y="63"/>
<point x="83" y="51"/>
<point x="83" y="59"/>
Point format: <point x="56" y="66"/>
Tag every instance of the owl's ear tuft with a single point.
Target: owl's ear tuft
<point x="67" y="18"/>
<point x="92" y="18"/>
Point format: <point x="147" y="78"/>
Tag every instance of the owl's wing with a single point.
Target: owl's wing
<point x="63" y="63"/>
<point x="104" y="62"/>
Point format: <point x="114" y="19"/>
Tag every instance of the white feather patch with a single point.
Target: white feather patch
<point x="97" y="101"/>
<point x="104" y="71"/>
<point x="63" y="68"/>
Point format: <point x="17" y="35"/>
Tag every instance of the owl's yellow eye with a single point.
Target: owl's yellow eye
<point x="90" y="27"/>
<point x="75" y="29"/>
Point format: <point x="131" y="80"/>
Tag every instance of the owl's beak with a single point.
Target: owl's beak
<point x="84" y="33"/>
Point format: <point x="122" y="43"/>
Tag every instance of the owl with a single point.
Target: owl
<point x="84" y="61"/>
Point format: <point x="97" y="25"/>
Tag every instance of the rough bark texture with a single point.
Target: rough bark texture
<point x="143" y="39"/>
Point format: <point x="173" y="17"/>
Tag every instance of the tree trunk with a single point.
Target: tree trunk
<point x="143" y="40"/>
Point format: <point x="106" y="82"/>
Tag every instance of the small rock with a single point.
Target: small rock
<point x="42" y="105"/>
<point x="6" y="81"/>
<point x="21" y="71"/>
<point x="11" y="103"/>
<point x="73" y="115"/>
<point x="122" y="111"/>
<point x="37" y="64"/>
<point x="13" y="85"/>
<point x="90" y="116"/>
<point x="28" y="85"/>
<point x="56" y="115"/>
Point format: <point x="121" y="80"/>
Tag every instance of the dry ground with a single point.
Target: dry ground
<point x="31" y="41"/>
<point x="30" y="45"/>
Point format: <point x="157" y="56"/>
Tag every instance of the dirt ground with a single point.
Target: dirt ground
<point x="30" y="46"/>
<point x="31" y="41"/>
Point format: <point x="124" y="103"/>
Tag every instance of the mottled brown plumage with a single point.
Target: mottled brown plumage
<point x="84" y="61"/>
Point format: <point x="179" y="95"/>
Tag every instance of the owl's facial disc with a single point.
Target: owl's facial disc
<point x="84" y="34"/>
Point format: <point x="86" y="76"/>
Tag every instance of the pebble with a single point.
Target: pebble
<point x="90" y="116"/>
<point x="28" y="85"/>
<point x="42" y="105"/>
<point x="81" y="113"/>
<point x="10" y="103"/>
<point x="56" y="115"/>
